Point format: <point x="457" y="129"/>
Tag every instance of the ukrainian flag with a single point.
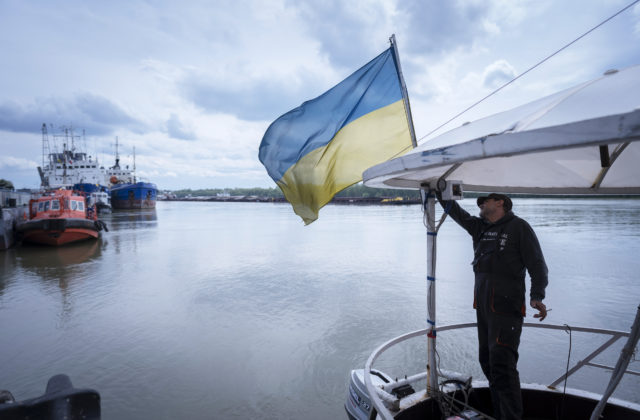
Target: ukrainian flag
<point x="321" y="147"/>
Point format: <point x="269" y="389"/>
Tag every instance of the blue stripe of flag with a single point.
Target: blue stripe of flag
<point x="315" y="123"/>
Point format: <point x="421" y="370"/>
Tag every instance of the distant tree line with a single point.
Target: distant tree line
<point x="357" y="190"/>
<point x="210" y="192"/>
<point x="6" y="184"/>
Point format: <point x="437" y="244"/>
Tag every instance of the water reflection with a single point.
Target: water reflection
<point x="58" y="269"/>
<point x="48" y="260"/>
<point x="131" y="219"/>
<point x="48" y="263"/>
<point x="7" y="268"/>
<point x="601" y="214"/>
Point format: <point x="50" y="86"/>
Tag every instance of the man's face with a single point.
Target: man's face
<point x="489" y="207"/>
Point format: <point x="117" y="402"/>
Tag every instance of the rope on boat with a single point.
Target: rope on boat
<point x="566" y="373"/>
<point x="447" y="402"/>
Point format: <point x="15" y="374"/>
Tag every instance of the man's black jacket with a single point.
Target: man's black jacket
<point x="503" y="250"/>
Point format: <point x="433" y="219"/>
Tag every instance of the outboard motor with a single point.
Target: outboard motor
<point x="358" y="404"/>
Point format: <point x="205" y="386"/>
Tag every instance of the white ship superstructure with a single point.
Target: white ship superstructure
<point x="69" y="167"/>
<point x="117" y="175"/>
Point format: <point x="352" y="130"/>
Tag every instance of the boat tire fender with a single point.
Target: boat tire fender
<point x="99" y="224"/>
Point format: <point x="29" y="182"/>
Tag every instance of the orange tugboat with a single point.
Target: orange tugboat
<point x="60" y="217"/>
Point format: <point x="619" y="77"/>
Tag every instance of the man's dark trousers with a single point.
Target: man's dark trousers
<point x="498" y="341"/>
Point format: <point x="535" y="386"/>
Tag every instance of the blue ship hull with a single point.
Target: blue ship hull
<point x="141" y="195"/>
<point x="90" y="188"/>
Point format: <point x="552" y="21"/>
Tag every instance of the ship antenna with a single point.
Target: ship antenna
<point x="134" y="164"/>
<point x="70" y="136"/>
<point x="84" y="142"/>
<point x="117" y="165"/>
<point x="45" y="143"/>
<point x="46" y="154"/>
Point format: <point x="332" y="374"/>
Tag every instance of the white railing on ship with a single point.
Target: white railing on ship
<point x="377" y="394"/>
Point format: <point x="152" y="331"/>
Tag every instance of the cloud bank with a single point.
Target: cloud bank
<point x="95" y="113"/>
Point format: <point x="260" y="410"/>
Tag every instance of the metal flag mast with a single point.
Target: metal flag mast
<point x="429" y="206"/>
<point x="403" y="87"/>
<point x="428" y="193"/>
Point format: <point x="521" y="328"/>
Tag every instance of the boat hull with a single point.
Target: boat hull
<point x="56" y="232"/>
<point x="61" y="400"/>
<point x="97" y="194"/>
<point x="539" y="402"/>
<point x="141" y="195"/>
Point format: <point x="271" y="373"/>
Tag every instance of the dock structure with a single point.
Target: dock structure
<point x="14" y="207"/>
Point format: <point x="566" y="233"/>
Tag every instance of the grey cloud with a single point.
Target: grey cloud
<point x="177" y="130"/>
<point x="430" y="27"/>
<point x="440" y="26"/>
<point x="96" y="114"/>
<point x="13" y="118"/>
<point x="343" y="30"/>
<point x="497" y="74"/>
<point x="254" y="101"/>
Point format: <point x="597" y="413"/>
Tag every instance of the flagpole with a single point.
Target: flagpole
<point x="429" y="208"/>
<point x="428" y="203"/>
<point x="405" y="94"/>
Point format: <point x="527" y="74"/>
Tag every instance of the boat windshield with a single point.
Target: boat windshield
<point x="80" y="206"/>
<point x="55" y="205"/>
<point x="46" y="205"/>
<point x="40" y="206"/>
<point x="74" y="205"/>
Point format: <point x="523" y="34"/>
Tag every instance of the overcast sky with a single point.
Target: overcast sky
<point x="193" y="85"/>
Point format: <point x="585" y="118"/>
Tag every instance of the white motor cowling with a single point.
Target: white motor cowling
<point x="358" y="404"/>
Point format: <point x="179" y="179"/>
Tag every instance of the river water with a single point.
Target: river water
<point x="237" y="310"/>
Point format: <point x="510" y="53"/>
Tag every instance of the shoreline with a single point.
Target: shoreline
<point x="383" y="200"/>
<point x="336" y="200"/>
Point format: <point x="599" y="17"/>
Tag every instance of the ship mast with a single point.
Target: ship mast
<point x="134" y="164"/>
<point x="117" y="165"/>
<point x="45" y="143"/>
<point x="64" y="155"/>
<point x="46" y="154"/>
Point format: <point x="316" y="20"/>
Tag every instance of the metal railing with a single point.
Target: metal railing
<point x="377" y="395"/>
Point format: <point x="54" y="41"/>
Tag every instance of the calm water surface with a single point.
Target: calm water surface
<point x="237" y="310"/>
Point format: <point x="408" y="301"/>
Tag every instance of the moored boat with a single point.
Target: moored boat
<point x="69" y="167"/>
<point x="96" y="194"/>
<point x="60" y="217"/>
<point x="139" y="195"/>
<point x="73" y="169"/>
<point x="126" y="191"/>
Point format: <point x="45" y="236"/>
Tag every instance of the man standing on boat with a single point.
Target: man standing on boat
<point x="504" y="246"/>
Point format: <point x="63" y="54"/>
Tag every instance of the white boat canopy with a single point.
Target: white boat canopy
<point x="582" y="140"/>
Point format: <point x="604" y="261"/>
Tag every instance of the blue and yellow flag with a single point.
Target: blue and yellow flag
<point x="321" y="147"/>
